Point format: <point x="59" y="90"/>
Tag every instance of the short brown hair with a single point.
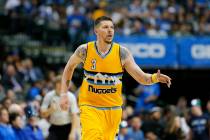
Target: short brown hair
<point x="100" y="19"/>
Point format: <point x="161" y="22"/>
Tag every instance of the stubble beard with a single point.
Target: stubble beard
<point x="108" y="42"/>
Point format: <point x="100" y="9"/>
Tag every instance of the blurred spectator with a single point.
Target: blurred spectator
<point x="154" y="126"/>
<point x="173" y="129"/>
<point x="44" y="125"/>
<point x="2" y="91"/>
<point x="189" y="17"/>
<point x="10" y="59"/>
<point x="12" y="80"/>
<point x="11" y="95"/>
<point x="6" y="102"/>
<point x="16" y="109"/>
<point x="138" y="28"/>
<point x="184" y="128"/>
<point x="33" y="74"/>
<point x="33" y="132"/>
<point x="123" y="132"/>
<point x="136" y="9"/>
<point x="151" y="136"/>
<point x="207" y="113"/>
<point x="6" y="132"/>
<point x="117" y="16"/>
<point x="21" y="70"/>
<point x="11" y="4"/>
<point x="100" y="10"/>
<point x="35" y="91"/>
<point x="64" y="124"/>
<point x="48" y="86"/>
<point x="128" y="111"/>
<point x="17" y="126"/>
<point x="23" y="8"/>
<point x="170" y="113"/>
<point x="181" y="107"/>
<point x="135" y="132"/>
<point x="147" y="96"/>
<point x="76" y="24"/>
<point x="198" y="122"/>
<point x="54" y="18"/>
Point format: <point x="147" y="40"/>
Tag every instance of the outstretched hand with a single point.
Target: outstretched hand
<point x="162" y="78"/>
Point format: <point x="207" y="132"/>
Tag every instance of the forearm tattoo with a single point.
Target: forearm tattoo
<point x="81" y="52"/>
<point x="123" y="53"/>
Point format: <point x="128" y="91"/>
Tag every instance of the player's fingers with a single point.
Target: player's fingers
<point x="169" y="83"/>
<point x="158" y="73"/>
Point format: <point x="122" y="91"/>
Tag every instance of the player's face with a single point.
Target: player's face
<point x="105" y="31"/>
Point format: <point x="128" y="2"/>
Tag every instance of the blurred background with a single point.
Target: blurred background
<point x="38" y="36"/>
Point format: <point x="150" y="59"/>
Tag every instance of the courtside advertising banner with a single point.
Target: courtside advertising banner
<point x="194" y="52"/>
<point x="151" y="52"/>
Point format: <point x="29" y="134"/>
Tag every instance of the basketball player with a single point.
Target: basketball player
<point x="100" y="96"/>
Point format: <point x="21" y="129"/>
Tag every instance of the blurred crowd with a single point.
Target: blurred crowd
<point x="23" y="86"/>
<point x="70" y="21"/>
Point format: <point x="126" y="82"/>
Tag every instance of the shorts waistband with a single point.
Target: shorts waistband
<point x="105" y="108"/>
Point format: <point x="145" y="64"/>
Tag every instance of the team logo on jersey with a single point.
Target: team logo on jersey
<point x="103" y="79"/>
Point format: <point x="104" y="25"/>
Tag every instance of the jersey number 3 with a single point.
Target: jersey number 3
<point x="93" y="61"/>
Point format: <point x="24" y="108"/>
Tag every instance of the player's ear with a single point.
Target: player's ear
<point x="95" y="31"/>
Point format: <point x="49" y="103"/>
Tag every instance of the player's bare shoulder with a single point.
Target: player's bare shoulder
<point x="81" y="52"/>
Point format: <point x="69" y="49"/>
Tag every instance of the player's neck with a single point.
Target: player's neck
<point x="102" y="46"/>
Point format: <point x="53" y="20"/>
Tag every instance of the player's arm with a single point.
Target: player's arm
<point x="77" y="57"/>
<point x="135" y="71"/>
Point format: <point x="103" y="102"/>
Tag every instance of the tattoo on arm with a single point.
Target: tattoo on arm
<point x="81" y="52"/>
<point x="123" y="53"/>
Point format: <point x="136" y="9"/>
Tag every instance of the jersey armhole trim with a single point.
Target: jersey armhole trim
<point x="120" y="58"/>
<point x="86" y="54"/>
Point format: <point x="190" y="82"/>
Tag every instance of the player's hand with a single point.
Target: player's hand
<point x="163" y="78"/>
<point x="64" y="102"/>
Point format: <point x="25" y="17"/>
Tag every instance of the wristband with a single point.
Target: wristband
<point x="154" y="78"/>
